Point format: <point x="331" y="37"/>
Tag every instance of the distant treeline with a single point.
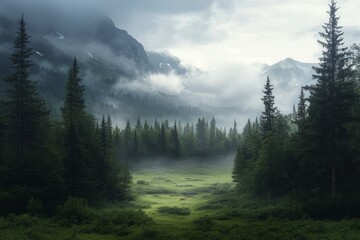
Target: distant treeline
<point x="173" y="141"/>
<point x="313" y="154"/>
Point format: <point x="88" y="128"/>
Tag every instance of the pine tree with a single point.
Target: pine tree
<point x="268" y="115"/>
<point x="29" y="167"/>
<point x="212" y="134"/>
<point x="162" y="140"/>
<point x="118" y="145"/>
<point x="301" y="113"/>
<point x="234" y="137"/>
<point x="175" y="150"/>
<point x="202" y="137"/>
<point x="77" y="170"/>
<point x="128" y="140"/>
<point x="331" y="98"/>
<point x="109" y="131"/>
<point x="136" y="145"/>
<point x="24" y="110"/>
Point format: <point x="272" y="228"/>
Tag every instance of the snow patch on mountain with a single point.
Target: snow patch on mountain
<point x="59" y="35"/>
<point x="90" y="55"/>
<point x="39" y="53"/>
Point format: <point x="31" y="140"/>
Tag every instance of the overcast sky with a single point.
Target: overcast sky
<point x="223" y="38"/>
<point x="206" y="33"/>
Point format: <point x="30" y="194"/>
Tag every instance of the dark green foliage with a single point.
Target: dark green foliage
<point x="204" y="223"/>
<point x="29" y="165"/>
<point x="175" y="148"/>
<point x="268" y="115"/>
<point x="74" y="210"/>
<point x="42" y="162"/>
<point x="248" y="153"/>
<point x="330" y="102"/>
<point x="146" y="141"/>
<point x="202" y="136"/>
<point x="174" y="210"/>
<point x="301" y="114"/>
<point x="34" y="207"/>
<point x="91" y="163"/>
<point x="317" y="158"/>
<point x="78" y="138"/>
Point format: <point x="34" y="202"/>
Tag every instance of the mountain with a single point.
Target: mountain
<point x="115" y="68"/>
<point x="288" y="76"/>
<point x="290" y="73"/>
<point x="108" y="56"/>
<point x="166" y="63"/>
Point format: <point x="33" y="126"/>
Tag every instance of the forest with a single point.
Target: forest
<point x="285" y="176"/>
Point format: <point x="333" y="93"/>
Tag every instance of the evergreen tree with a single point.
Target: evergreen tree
<point x="128" y="140"/>
<point x="29" y="166"/>
<point x="175" y="149"/>
<point x="268" y="115"/>
<point x="202" y="137"/>
<point x="118" y="145"/>
<point x="331" y="99"/>
<point x="136" y="145"/>
<point x="301" y="114"/>
<point x="234" y="137"/>
<point x="212" y="134"/>
<point x="77" y="127"/>
<point x="162" y="140"/>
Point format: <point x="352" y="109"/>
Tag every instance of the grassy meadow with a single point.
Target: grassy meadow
<point x="186" y="187"/>
<point x="181" y="200"/>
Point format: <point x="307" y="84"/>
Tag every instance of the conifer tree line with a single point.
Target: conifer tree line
<point x="174" y="140"/>
<point x="49" y="160"/>
<point x="313" y="152"/>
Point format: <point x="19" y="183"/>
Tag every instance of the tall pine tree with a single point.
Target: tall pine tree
<point x="268" y="115"/>
<point x="77" y="171"/>
<point x="331" y="99"/>
<point x="29" y="168"/>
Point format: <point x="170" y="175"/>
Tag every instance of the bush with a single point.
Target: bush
<point x="174" y="210"/>
<point x="34" y="207"/>
<point x="75" y="210"/>
<point x="23" y="220"/>
<point x="117" y="221"/>
<point x="204" y="223"/>
<point x="142" y="182"/>
<point x="338" y="208"/>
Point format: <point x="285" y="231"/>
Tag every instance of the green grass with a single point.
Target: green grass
<point x="179" y="186"/>
<point x="182" y="202"/>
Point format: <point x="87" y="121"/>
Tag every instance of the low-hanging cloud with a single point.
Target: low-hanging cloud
<point x="224" y="38"/>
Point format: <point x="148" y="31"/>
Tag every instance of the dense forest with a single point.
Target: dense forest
<point x="45" y="161"/>
<point x="48" y="161"/>
<point x="79" y="177"/>
<point x="312" y="154"/>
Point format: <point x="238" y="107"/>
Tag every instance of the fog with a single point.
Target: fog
<point x="223" y="44"/>
<point x="223" y="162"/>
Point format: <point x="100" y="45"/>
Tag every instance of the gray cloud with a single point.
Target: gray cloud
<point x="222" y="37"/>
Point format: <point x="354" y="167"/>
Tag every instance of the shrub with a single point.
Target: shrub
<point x="23" y="220"/>
<point x="204" y="223"/>
<point x="174" y="210"/>
<point x="75" y="210"/>
<point x="117" y="221"/>
<point x="34" y="207"/>
<point x="142" y="182"/>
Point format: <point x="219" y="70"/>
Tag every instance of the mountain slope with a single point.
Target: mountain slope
<point x="288" y="76"/>
<point x="108" y="57"/>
